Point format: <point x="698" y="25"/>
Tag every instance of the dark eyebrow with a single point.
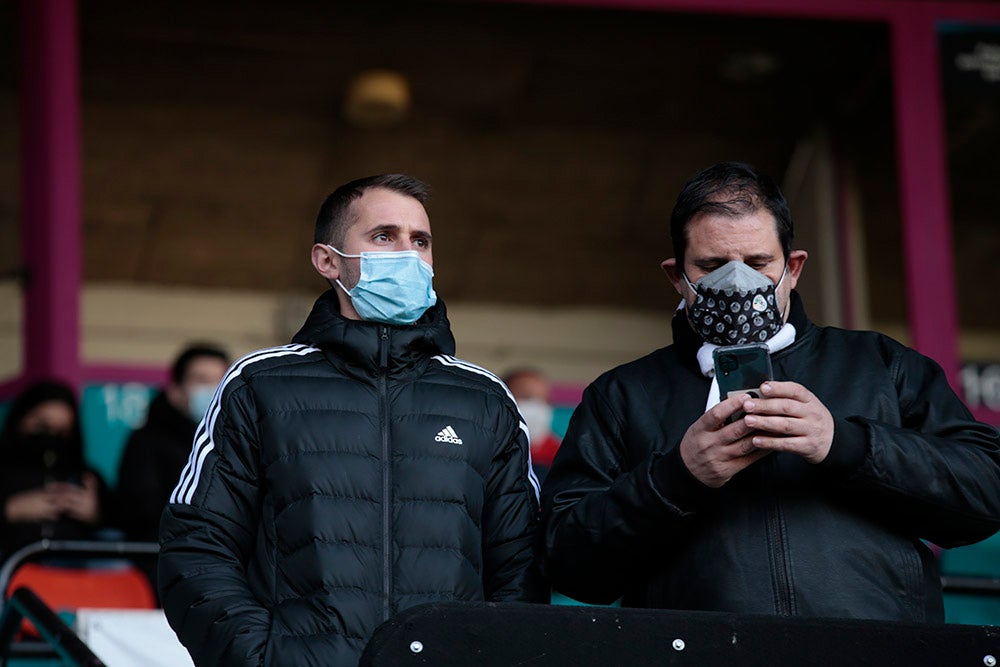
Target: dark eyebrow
<point x="395" y="229"/>
<point x="701" y="261"/>
<point x="760" y="257"/>
<point x="384" y="228"/>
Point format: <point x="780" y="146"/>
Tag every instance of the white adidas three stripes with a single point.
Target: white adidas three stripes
<point x="204" y="442"/>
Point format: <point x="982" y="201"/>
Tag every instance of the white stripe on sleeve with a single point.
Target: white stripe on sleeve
<point x="203" y="441"/>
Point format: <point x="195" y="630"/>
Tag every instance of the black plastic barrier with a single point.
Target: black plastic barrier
<point x="982" y="586"/>
<point x="462" y="634"/>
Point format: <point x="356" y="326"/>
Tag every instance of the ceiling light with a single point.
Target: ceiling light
<point x="377" y="98"/>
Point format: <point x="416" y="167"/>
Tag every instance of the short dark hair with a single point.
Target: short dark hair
<point x="731" y="189"/>
<point x="334" y="216"/>
<point x="519" y="372"/>
<point x="192" y="352"/>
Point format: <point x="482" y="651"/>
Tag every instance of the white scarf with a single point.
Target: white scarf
<point x="779" y="341"/>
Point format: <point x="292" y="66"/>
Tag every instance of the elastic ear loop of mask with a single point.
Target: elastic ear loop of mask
<point x="345" y="256"/>
<point x="788" y="302"/>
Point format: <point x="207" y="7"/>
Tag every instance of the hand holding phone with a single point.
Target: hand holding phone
<point x="741" y="369"/>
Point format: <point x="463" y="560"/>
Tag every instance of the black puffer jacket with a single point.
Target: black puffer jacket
<point x="338" y="480"/>
<point x="624" y="517"/>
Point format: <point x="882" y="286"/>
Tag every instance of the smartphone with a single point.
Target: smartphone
<point x="741" y="369"/>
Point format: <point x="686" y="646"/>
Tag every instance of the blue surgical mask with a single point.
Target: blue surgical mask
<point x="199" y="398"/>
<point x="394" y="287"/>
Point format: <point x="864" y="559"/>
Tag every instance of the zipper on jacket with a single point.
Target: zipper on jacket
<point x="780" y="576"/>
<point x="383" y="385"/>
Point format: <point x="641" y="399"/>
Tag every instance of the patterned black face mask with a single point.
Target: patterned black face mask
<point x="735" y="305"/>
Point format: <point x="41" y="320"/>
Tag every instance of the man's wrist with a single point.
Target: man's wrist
<point x="674" y="483"/>
<point x="848" y="448"/>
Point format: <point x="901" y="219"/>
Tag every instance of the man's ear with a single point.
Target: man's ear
<point x="326" y="262"/>
<point x="675" y="275"/>
<point x="796" y="260"/>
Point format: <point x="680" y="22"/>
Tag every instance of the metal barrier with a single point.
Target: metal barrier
<point x="70" y="548"/>
<point x="16" y="608"/>
<point x="24" y="604"/>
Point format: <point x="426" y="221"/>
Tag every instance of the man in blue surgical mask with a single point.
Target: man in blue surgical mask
<point x="361" y="470"/>
<point x="812" y="499"/>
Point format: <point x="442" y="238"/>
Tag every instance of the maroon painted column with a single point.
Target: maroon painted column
<point x="51" y="202"/>
<point x="923" y="188"/>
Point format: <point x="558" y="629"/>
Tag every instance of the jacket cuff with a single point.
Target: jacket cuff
<point x="848" y="449"/>
<point x="674" y="482"/>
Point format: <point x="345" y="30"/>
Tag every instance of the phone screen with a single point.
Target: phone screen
<point x="742" y="368"/>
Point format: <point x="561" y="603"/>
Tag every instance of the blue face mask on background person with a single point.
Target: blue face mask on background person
<point x="394" y="287"/>
<point x="735" y="305"/>
<point x="199" y="398"/>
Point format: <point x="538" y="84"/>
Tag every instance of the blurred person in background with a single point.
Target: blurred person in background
<point x="156" y="452"/>
<point x="357" y="472"/>
<point x="533" y="392"/>
<point x="813" y="499"/>
<point x="46" y="488"/>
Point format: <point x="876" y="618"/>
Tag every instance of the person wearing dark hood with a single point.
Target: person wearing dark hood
<point x="357" y="472"/>
<point x="46" y="488"/>
<point x="812" y="498"/>
<point x="156" y="453"/>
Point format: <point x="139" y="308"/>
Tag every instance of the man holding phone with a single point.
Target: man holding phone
<point x="815" y="501"/>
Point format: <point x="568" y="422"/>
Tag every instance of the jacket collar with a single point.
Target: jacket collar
<point x="356" y="345"/>
<point x="688" y="341"/>
<point x="797" y="316"/>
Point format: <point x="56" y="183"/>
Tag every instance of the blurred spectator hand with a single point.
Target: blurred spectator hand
<point x="32" y="506"/>
<point x="78" y="502"/>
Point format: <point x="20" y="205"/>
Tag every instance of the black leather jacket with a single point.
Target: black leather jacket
<point x="338" y="480"/>
<point x="624" y="517"/>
